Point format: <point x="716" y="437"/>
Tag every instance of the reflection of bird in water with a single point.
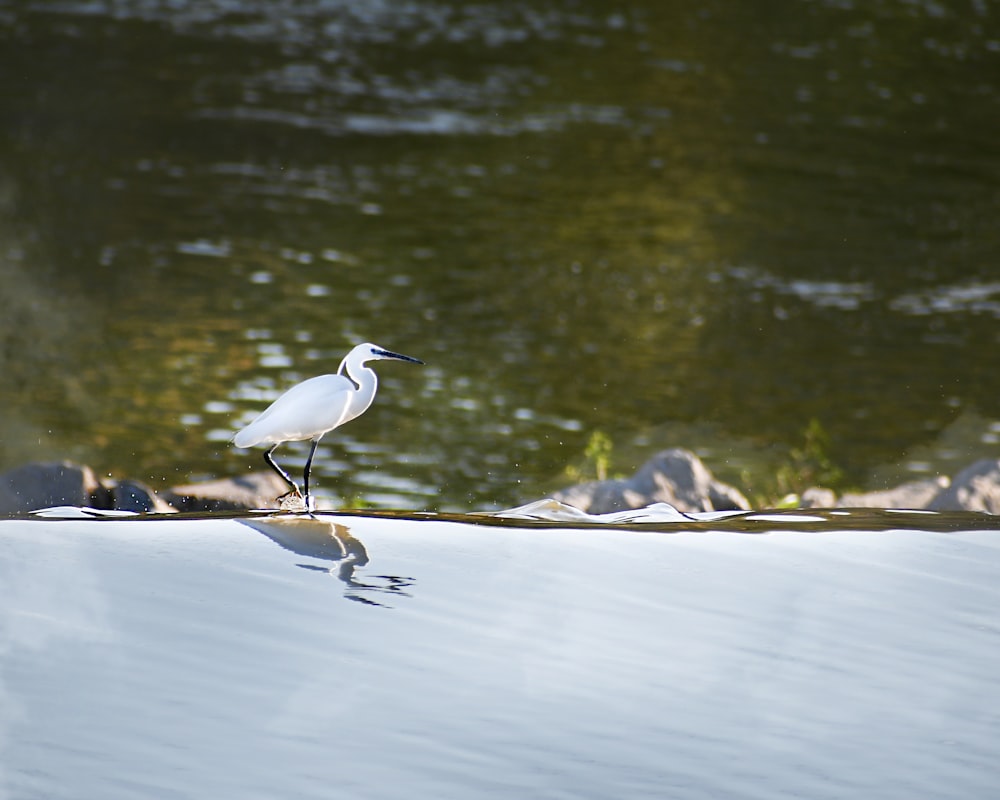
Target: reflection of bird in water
<point x="320" y="538"/>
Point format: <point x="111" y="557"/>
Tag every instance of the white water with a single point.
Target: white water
<point x="181" y="658"/>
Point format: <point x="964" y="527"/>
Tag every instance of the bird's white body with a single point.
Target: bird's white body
<point x="317" y="406"/>
<point x="309" y="409"/>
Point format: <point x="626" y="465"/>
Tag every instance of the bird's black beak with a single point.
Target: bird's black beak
<point x="397" y="356"/>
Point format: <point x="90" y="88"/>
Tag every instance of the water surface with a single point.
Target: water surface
<point x="682" y="226"/>
<point x="375" y="656"/>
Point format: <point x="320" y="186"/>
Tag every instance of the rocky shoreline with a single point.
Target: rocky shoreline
<point x="680" y="478"/>
<point x="672" y="476"/>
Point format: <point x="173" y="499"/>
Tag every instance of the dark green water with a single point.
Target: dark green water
<point x="684" y="226"/>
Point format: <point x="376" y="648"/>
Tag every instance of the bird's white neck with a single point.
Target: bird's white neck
<point x="365" y="383"/>
<point x="345" y="370"/>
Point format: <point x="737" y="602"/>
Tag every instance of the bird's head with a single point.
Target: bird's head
<point x="372" y="352"/>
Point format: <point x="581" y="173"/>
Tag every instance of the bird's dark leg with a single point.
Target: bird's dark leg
<point x="309" y="463"/>
<point x="284" y="475"/>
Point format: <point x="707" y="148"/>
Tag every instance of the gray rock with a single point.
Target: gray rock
<point x="256" y="490"/>
<point x="9" y="502"/>
<point x="818" y="497"/>
<point x="41" y="485"/>
<point x="975" y="488"/>
<point x="677" y="477"/>
<point x="63" y="483"/>
<point x="131" y="495"/>
<point x="915" y="494"/>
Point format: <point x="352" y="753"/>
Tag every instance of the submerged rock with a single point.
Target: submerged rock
<point x="63" y="483"/>
<point x="255" y="490"/>
<point x="39" y="485"/>
<point x="129" y="495"/>
<point x="975" y="488"/>
<point x="677" y="477"/>
<point x="915" y="494"/>
<point x="680" y="478"/>
<point x="816" y="497"/>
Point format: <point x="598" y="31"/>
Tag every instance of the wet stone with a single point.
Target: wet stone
<point x="676" y="476"/>
<point x="255" y="490"/>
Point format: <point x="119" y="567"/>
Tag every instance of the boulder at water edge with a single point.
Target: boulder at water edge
<point x="254" y="490"/>
<point x="915" y="494"/>
<point x="975" y="488"/>
<point x="63" y="483"/>
<point x="673" y="476"/>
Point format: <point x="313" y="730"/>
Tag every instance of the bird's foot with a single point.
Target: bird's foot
<point x="293" y="501"/>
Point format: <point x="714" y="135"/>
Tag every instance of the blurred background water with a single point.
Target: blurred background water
<point x="680" y="225"/>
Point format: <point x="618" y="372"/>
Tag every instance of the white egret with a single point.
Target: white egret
<point x="315" y="407"/>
